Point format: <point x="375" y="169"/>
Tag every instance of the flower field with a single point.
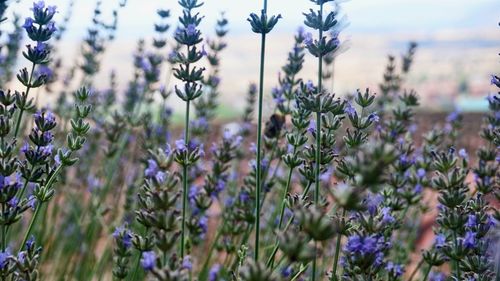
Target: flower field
<point x="301" y="184"/>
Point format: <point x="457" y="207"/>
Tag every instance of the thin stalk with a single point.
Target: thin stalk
<point x="136" y="267"/>
<point x="302" y="270"/>
<point x="204" y="270"/>
<point x="259" y="142"/>
<point x="270" y="261"/>
<point x="419" y="265"/>
<point x="285" y="193"/>
<point x="20" y="116"/>
<point x="427" y="273"/>
<point x="457" y="262"/>
<point x="4" y="232"/>
<point x="32" y="223"/>
<point x="49" y="184"/>
<point x="337" y="253"/>
<point x="318" y="132"/>
<point x="185" y="181"/>
<point x="306" y="190"/>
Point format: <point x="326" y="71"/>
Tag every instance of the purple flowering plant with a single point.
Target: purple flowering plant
<point x="315" y="186"/>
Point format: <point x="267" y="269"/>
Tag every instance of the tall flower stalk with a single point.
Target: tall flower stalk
<point x="319" y="48"/>
<point x="261" y="25"/>
<point x="40" y="29"/>
<point x="188" y="35"/>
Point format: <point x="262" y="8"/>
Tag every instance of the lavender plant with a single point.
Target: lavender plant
<point x="189" y="36"/>
<point x="261" y="25"/>
<point x="334" y="188"/>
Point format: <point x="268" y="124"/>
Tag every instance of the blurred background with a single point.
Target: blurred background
<point x="458" y="41"/>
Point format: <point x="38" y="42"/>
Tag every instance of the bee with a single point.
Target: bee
<point x="274" y="125"/>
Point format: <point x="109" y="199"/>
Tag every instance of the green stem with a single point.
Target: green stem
<point x="337" y="253"/>
<point x="270" y="261"/>
<point x="419" y="265"/>
<point x="302" y="270"/>
<point x="32" y="223"/>
<point x="318" y="131"/>
<point x="49" y="184"/>
<point x="204" y="270"/>
<point x="259" y="142"/>
<point x="185" y="181"/>
<point x="20" y="116"/>
<point x="136" y="267"/>
<point x="285" y="193"/>
<point x="457" y="262"/>
<point x="306" y="190"/>
<point x="4" y="231"/>
<point x="427" y="273"/>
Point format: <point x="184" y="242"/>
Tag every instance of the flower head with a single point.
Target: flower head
<point x="214" y="272"/>
<point x="439" y="241"/>
<point x="148" y="260"/>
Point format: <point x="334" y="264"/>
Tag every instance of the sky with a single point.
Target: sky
<point x="369" y="16"/>
<point x="458" y="38"/>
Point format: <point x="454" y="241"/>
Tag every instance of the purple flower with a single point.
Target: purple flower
<point x="180" y="145"/>
<point x="191" y="30"/>
<point x="203" y="224"/>
<point x="452" y="117"/>
<point x="193" y="191"/>
<point x="4" y="258"/>
<point x="310" y="86"/>
<point x="372" y="203"/>
<point x="148" y="260"/>
<point x="244" y="197"/>
<point x="490" y="221"/>
<point x="253" y="148"/>
<point x="312" y="126"/>
<point x="373" y="117"/>
<point x="203" y="51"/>
<point x="471" y="221"/>
<point x="124" y="234"/>
<point x="13" y="202"/>
<point x="215" y="80"/>
<point x="300" y="31"/>
<point x="350" y="110"/>
<point x="437" y="276"/>
<point x="278" y="96"/>
<point x="220" y="186"/>
<point x="41" y="47"/>
<point x="495" y="80"/>
<point x="152" y="168"/>
<point x="418" y="188"/>
<point x="421" y="173"/>
<point x="31" y="242"/>
<point x="32" y="202"/>
<point x="364" y="245"/>
<point x="470" y="239"/>
<point x="51" y="27"/>
<point x="38" y="6"/>
<point x="286" y="271"/>
<point x="439" y="241"/>
<point x="308" y="39"/>
<point x="52" y="10"/>
<point x="394" y="269"/>
<point x="186" y="263"/>
<point x="387" y="218"/>
<point x="462" y="153"/>
<point x="28" y="23"/>
<point x="214" y="272"/>
<point x="168" y="150"/>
